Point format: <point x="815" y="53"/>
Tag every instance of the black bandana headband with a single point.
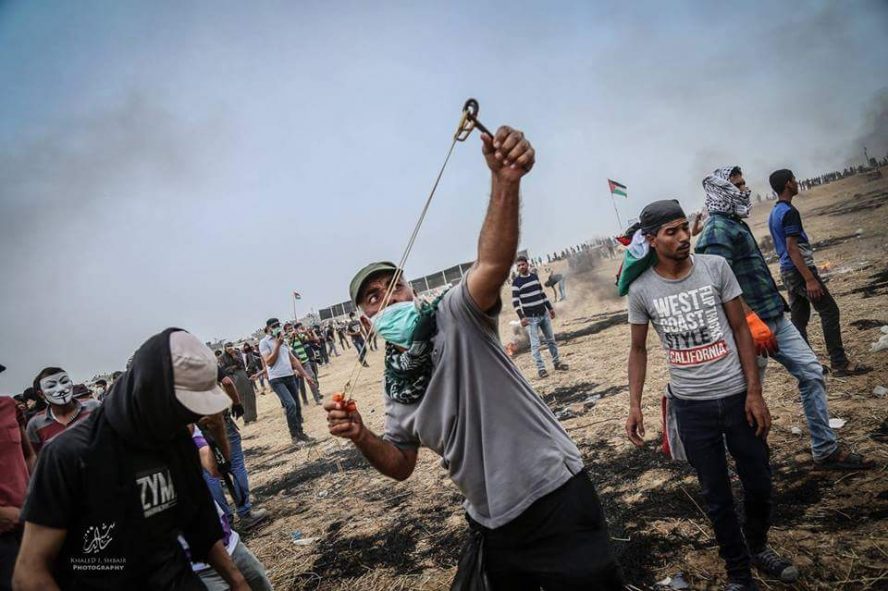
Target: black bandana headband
<point x="655" y="214"/>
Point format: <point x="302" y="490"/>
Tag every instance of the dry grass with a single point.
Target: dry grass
<point x="375" y="534"/>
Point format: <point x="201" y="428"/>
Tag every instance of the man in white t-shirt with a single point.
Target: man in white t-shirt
<point x="281" y="363"/>
<point x="694" y="305"/>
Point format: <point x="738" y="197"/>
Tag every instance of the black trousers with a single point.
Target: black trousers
<point x="800" y="314"/>
<point x="560" y="543"/>
<point x="704" y="427"/>
<point x="9" y="546"/>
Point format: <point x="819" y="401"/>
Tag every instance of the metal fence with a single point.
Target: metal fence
<point x="435" y="281"/>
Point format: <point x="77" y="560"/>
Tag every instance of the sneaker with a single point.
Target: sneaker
<point x="842" y="459"/>
<point x="738" y="586"/>
<point x="543" y="373"/>
<point x="252" y="519"/>
<point x="305" y="438"/>
<point x="771" y="563"/>
<point x="561" y="366"/>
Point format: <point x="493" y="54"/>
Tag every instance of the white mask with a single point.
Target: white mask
<point x="57" y="388"/>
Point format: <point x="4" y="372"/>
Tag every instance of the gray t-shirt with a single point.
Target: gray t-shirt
<point x="501" y="444"/>
<point x="282" y="367"/>
<point x="688" y="315"/>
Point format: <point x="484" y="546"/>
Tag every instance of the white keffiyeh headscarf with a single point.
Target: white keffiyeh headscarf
<point x="723" y="197"/>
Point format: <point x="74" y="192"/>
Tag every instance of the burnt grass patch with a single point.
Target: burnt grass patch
<point x="593" y="327"/>
<point x="828" y="242"/>
<point x="876" y="285"/>
<point x="395" y="547"/>
<point x="867" y="323"/>
<point x="564" y="396"/>
<point x="349" y="458"/>
<point x="860" y="202"/>
<point x="798" y="501"/>
<point x="646" y="548"/>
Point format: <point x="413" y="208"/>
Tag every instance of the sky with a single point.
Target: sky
<point x="191" y="164"/>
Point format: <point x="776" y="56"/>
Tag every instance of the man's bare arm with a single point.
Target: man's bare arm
<point x="795" y="255"/>
<point x="221" y="562"/>
<point x="34" y="565"/>
<point x="230" y="389"/>
<point x="28" y="451"/>
<point x="812" y="285"/>
<point x="757" y="413"/>
<point x="299" y="368"/>
<point x="215" y="425"/>
<point x="387" y="458"/>
<point x="272" y="357"/>
<point x="637" y="375"/>
<point x="509" y="157"/>
<point x="745" y="347"/>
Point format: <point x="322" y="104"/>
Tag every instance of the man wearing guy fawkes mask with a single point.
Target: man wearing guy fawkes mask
<point x="54" y="385"/>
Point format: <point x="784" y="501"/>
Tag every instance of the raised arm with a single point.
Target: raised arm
<point x="509" y="157"/>
<point x="271" y="358"/>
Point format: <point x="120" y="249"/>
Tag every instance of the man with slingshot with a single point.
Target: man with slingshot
<point x="449" y="386"/>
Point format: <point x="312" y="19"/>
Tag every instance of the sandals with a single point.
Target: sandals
<point x="842" y="459"/>
<point x="851" y="369"/>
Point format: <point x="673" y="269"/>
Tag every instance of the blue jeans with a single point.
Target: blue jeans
<point x="704" y="427"/>
<point x="535" y="325"/>
<point x="288" y="392"/>
<point x="561" y="288"/>
<point x="360" y="347"/>
<point x="799" y="360"/>
<point x="238" y="475"/>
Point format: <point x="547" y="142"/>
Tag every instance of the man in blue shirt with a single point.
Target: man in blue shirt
<point x="803" y="283"/>
<point x="727" y="235"/>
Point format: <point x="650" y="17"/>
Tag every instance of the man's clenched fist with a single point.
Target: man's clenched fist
<point x="343" y="423"/>
<point x="509" y="155"/>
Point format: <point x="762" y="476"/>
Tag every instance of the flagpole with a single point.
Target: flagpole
<point x="295" y="318"/>
<point x="617" y="211"/>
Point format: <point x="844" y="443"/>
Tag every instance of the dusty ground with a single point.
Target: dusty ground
<point x="374" y="533"/>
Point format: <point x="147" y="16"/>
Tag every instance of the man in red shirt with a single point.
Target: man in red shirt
<point x="17" y="459"/>
<point x="63" y="410"/>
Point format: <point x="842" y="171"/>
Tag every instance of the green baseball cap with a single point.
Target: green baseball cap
<point x="364" y="274"/>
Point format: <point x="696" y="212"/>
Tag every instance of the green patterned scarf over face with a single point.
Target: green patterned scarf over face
<point x="408" y="371"/>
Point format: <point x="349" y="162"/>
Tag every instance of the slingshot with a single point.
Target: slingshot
<point x="467" y="123"/>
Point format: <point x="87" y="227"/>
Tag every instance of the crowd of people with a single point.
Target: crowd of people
<point x="124" y="486"/>
<point x="805" y="184"/>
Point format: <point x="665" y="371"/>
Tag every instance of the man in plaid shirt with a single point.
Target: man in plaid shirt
<point x="727" y="235"/>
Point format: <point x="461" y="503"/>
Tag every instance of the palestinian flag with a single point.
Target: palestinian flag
<point x="616" y="188"/>
<point x="297" y="295"/>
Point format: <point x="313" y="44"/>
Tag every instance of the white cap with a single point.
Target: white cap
<point x="194" y="375"/>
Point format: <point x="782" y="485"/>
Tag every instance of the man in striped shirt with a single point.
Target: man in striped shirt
<point x="536" y="314"/>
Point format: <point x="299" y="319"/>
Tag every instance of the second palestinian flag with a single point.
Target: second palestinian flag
<point x="616" y="188"/>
